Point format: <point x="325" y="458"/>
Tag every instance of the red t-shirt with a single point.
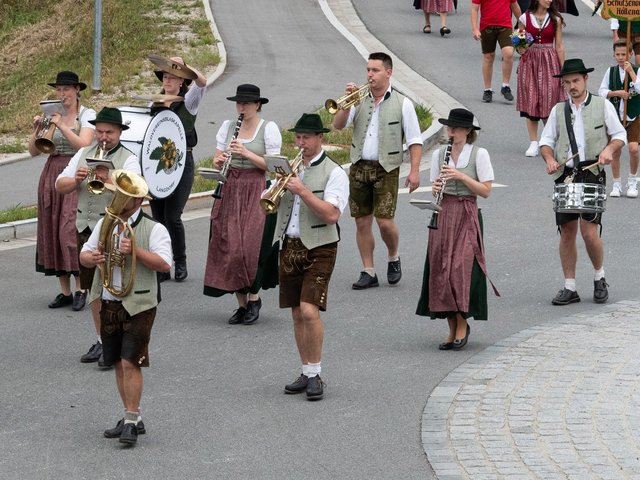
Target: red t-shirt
<point x="495" y="13"/>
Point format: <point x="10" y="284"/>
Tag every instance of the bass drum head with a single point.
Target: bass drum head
<point x="137" y="119"/>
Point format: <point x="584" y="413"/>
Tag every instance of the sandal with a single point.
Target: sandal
<point x="426" y="29"/>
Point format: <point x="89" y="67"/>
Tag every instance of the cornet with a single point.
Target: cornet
<point x="347" y="101"/>
<point x="94" y="184"/>
<point x="271" y="202"/>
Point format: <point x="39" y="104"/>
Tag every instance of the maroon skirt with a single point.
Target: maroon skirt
<point x="57" y="245"/>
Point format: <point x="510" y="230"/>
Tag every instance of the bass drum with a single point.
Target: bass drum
<point x="160" y="142"/>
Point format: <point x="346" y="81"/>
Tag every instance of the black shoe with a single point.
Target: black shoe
<point x="444" y="31"/>
<point x="458" y="343"/>
<point x="164" y="276"/>
<point x="101" y="362"/>
<point x="566" y="296"/>
<point x="445" y="346"/>
<point x="299" y="386"/>
<point x="129" y="434"/>
<point x="315" y="388"/>
<point x="487" y="96"/>
<point x="365" y="281"/>
<point x="116" y="431"/>
<point x="61" y="300"/>
<point x="79" y="300"/>
<point x="93" y="355"/>
<point x="253" y="311"/>
<point x="181" y="272"/>
<point x="238" y="316"/>
<point x="600" y="292"/>
<point x="394" y="272"/>
<point x="506" y="93"/>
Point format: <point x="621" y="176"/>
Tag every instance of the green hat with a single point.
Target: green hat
<point x="110" y="115"/>
<point x="573" y="65"/>
<point x="309" y="123"/>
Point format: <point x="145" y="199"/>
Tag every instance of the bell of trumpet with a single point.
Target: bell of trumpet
<point x="347" y="101"/>
<point x="271" y="202"/>
<point x="44" y="135"/>
<point x="95" y="186"/>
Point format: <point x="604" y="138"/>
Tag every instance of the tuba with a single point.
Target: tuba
<point x="347" y="101"/>
<point x="96" y="186"/>
<point x="127" y="185"/>
<point x="271" y="202"/>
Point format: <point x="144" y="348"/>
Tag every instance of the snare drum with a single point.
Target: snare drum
<point x="579" y="198"/>
<point x="160" y="142"/>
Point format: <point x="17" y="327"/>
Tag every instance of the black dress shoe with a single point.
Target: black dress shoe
<point x="79" y="300"/>
<point x="238" y="316"/>
<point x="459" y="343"/>
<point x="565" y="297"/>
<point x="102" y="364"/>
<point x="116" y="431"/>
<point x="394" y="272"/>
<point x="93" y="355"/>
<point x="315" y="388"/>
<point x="365" y="281"/>
<point x="181" y="272"/>
<point x="164" y="276"/>
<point x="253" y="311"/>
<point x="129" y="434"/>
<point x="61" y="300"/>
<point x="444" y="31"/>
<point x="600" y="292"/>
<point x="445" y="346"/>
<point x="298" y="386"/>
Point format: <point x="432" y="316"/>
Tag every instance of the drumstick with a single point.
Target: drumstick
<point x="590" y="166"/>
<point x="568" y="159"/>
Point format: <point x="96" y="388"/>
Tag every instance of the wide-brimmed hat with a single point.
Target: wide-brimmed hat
<point x="459" y="117"/>
<point x="160" y="74"/>
<point x="67" y="78"/>
<point x="177" y="68"/>
<point x="573" y="65"/>
<point x="110" y="115"/>
<point x="248" y="93"/>
<point x="309" y="123"/>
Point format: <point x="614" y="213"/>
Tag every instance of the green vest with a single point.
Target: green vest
<point x="91" y="207"/>
<point x="144" y="294"/>
<point x="633" y="104"/>
<point x="622" y="26"/>
<point x="456" y="187"/>
<point x="595" y="131"/>
<point x="313" y="231"/>
<point x="63" y="147"/>
<point x="255" y="146"/>
<point x="390" y="132"/>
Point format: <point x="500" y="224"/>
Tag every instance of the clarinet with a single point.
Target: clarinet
<point x="433" y="224"/>
<point x="217" y="193"/>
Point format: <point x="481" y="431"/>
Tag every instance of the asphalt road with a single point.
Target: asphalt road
<point x="213" y="402"/>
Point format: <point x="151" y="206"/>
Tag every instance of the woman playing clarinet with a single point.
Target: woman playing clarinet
<point x="454" y="280"/>
<point x="241" y="258"/>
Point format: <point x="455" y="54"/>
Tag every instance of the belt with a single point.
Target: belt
<point x="112" y="302"/>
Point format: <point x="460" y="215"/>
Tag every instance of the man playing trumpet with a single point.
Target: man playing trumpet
<point x="108" y="129"/>
<point x="307" y="230"/>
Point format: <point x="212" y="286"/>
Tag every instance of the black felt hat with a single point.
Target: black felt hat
<point x="248" y="93"/>
<point x="459" y="117"/>
<point x="309" y="123"/>
<point x="573" y="65"/>
<point x="67" y="78"/>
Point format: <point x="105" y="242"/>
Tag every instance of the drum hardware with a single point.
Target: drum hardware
<point x="224" y="171"/>
<point x="348" y="100"/>
<point x="433" y="224"/>
<point x="271" y="202"/>
<point x="174" y="68"/>
<point x="96" y="186"/>
<point x="158" y="99"/>
<point x="579" y="198"/>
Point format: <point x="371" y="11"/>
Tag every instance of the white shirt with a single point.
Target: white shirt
<point x="159" y="243"/>
<point x="604" y="89"/>
<point x="272" y="137"/>
<point x="410" y="127"/>
<point x="193" y="97"/>
<point x="550" y="133"/>
<point x="484" y="169"/>
<point x="131" y="164"/>
<point x="336" y="192"/>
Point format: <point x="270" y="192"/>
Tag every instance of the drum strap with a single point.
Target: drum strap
<point x="568" y="120"/>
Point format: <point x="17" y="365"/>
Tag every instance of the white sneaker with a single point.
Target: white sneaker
<point x="533" y="150"/>
<point x="632" y="187"/>
<point x="616" y="190"/>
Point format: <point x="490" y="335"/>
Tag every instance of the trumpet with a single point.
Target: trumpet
<point x="96" y="186"/>
<point x="348" y="100"/>
<point x="44" y="135"/>
<point x="271" y="202"/>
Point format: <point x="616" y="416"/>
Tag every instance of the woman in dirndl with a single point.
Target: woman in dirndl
<point x="538" y="90"/>
<point x="454" y="280"/>
<point x="441" y="7"/>
<point x="57" y="244"/>
<point x="241" y="258"/>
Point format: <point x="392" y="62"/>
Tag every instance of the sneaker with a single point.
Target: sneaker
<point x="533" y="150"/>
<point x="129" y="434"/>
<point x="600" y="291"/>
<point x="487" y="96"/>
<point x="616" y="191"/>
<point x="365" y="281"/>
<point x="315" y="388"/>
<point x="116" y="431"/>
<point x="79" y="300"/>
<point x="93" y="355"/>
<point x="298" y="386"/>
<point x="506" y="93"/>
<point x="394" y="272"/>
<point x="565" y="297"/>
<point x="632" y="187"/>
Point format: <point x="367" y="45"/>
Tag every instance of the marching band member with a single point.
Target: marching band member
<point x="240" y="258"/>
<point x="73" y="180"/>
<point x="56" y="246"/>
<point x="168" y="211"/>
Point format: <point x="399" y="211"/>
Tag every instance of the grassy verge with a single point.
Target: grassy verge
<point x="19" y="212"/>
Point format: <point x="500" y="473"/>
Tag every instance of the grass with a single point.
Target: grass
<point x="18" y="212"/>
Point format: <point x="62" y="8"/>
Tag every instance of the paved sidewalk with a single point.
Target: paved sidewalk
<point x="557" y="401"/>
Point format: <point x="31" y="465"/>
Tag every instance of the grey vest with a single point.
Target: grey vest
<point x="455" y="187"/>
<point x="63" y="147"/>
<point x="91" y="207"/>
<point x="313" y="231"/>
<point x="255" y="146"/>
<point x="390" y="132"/>
<point x="144" y="294"/>
<point x="595" y="131"/>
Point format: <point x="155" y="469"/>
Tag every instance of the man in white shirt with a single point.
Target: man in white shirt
<point x="568" y="158"/>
